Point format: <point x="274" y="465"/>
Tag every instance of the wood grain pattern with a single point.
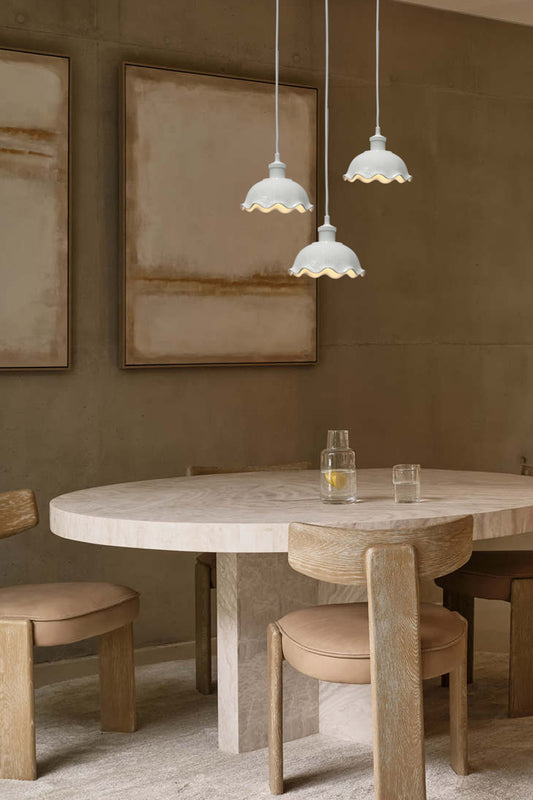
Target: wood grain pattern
<point x="117" y="680"/>
<point x="199" y="470"/>
<point x="337" y="555"/>
<point x="459" y="715"/>
<point x="275" y="708"/>
<point x="392" y="563"/>
<point x="18" y="512"/>
<point x="521" y="649"/>
<point x="17" y="726"/>
<point x="202" y="585"/>
<point x="396" y="671"/>
<point x="209" y="512"/>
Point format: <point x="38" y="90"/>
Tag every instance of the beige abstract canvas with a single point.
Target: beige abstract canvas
<point x="204" y="282"/>
<point x="34" y="217"/>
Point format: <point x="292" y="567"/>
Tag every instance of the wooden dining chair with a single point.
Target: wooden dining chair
<point x="500" y="575"/>
<point x="206" y="579"/>
<point x="392" y="642"/>
<point x="57" y="614"/>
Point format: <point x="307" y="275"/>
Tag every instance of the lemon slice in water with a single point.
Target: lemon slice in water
<point x="336" y="479"/>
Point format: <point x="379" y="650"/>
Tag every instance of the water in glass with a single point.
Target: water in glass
<point x="337" y="470"/>
<point x="406" y="480"/>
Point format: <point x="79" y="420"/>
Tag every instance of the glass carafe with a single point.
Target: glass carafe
<point x="337" y="470"/>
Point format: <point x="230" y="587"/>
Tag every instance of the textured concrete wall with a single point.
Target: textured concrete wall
<point x="429" y="358"/>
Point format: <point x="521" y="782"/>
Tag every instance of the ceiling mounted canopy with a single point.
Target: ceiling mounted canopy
<point x="277" y="192"/>
<point x="378" y="163"/>
<point x="327" y="256"/>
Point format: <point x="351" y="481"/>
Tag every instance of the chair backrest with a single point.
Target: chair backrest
<point x="227" y="470"/>
<point x="338" y="555"/>
<point x="527" y="469"/>
<point x="18" y="512"/>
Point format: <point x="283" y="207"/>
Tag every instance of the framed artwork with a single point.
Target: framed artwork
<point x="34" y="216"/>
<point x="204" y="282"/>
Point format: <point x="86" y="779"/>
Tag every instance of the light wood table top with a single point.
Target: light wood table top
<point x="251" y="512"/>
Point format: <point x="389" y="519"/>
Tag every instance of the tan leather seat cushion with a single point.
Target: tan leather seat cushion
<point x="210" y="559"/>
<point x="68" y="612"/>
<point x="331" y="642"/>
<point x="489" y="574"/>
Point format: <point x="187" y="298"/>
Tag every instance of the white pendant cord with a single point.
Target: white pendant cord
<point x="277" y="157"/>
<point x="326" y="117"/>
<point x="378" y="129"/>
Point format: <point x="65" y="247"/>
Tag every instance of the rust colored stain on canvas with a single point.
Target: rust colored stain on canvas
<point x="256" y="284"/>
<point x="34" y="131"/>
<point x="14" y="151"/>
<point x="204" y="282"/>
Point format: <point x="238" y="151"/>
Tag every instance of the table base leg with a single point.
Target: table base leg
<point x="345" y="710"/>
<point x="252" y="591"/>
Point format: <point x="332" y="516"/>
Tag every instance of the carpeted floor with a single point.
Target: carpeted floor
<point x="174" y="753"/>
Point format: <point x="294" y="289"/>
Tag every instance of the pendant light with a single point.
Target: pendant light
<point x="378" y="163"/>
<point x="277" y="192"/>
<point x="327" y="256"/>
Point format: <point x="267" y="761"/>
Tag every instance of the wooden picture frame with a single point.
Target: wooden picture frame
<point x="208" y="304"/>
<point x="35" y="177"/>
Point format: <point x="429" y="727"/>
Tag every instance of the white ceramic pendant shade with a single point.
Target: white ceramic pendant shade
<point x="378" y="163"/>
<point x="277" y="192"/>
<point x="327" y="256"/>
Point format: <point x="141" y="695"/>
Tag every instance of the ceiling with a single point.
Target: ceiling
<point x="520" y="11"/>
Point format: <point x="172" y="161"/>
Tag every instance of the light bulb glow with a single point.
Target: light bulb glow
<point x="277" y="207"/>
<point x="378" y="177"/>
<point x="327" y="272"/>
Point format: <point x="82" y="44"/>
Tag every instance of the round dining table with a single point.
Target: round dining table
<point x="244" y="518"/>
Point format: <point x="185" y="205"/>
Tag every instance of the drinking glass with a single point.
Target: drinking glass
<point x="406" y="480"/>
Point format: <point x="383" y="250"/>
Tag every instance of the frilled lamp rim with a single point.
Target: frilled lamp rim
<point x="275" y="186"/>
<point x="362" y="169"/>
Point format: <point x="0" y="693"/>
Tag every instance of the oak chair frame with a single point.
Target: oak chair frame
<point x="390" y="563"/>
<point x="204" y="580"/>
<point x="18" y="513"/>
<point x="520" y="690"/>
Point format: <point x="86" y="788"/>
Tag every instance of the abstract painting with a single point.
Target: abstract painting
<point x="34" y="211"/>
<point x="204" y="282"/>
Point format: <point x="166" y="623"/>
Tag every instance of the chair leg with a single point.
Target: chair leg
<point x="459" y="715"/>
<point x="396" y="673"/>
<point x="521" y="650"/>
<point x="464" y="605"/>
<point x="117" y="680"/>
<point x="275" y="708"/>
<point x="17" y="724"/>
<point x="203" y="628"/>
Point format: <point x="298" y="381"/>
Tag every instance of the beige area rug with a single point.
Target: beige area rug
<point x="174" y="753"/>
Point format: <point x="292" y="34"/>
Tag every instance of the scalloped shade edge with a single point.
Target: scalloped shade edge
<point x="277" y="193"/>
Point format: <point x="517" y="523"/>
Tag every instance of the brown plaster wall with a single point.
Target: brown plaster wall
<point x="429" y="358"/>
